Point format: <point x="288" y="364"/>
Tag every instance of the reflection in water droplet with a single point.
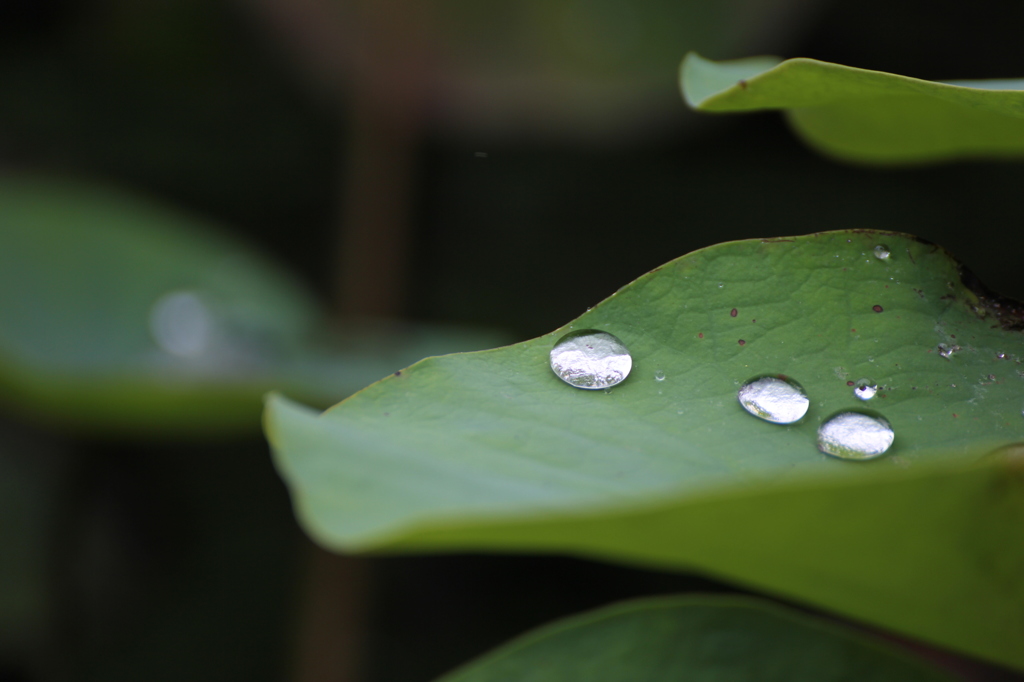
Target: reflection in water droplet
<point x="1000" y="356"/>
<point x="865" y="390"/>
<point x="855" y="436"/>
<point x="774" y="399"/>
<point x="659" y="376"/>
<point x="591" y="359"/>
<point x="882" y="252"/>
<point x="947" y="351"/>
<point x="181" y="324"/>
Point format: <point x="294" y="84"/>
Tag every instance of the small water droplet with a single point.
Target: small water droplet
<point x="855" y="436"/>
<point x="882" y="252"/>
<point x="775" y="399"/>
<point x="659" y="375"/>
<point x="947" y="351"/>
<point x="865" y="389"/>
<point x="1000" y="356"/>
<point x="591" y="359"/>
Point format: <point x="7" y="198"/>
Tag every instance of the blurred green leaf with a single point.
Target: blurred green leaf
<point x="491" y="450"/>
<point x="866" y="116"/>
<point x="697" y="639"/>
<point x="116" y="312"/>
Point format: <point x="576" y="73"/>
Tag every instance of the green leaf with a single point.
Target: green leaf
<point x="866" y="116"/>
<point x="119" y="313"/>
<point x="696" y="638"/>
<point x="492" y="450"/>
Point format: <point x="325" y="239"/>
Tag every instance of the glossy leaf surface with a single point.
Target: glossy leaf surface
<point x="492" y="450"/>
<point x="866" y="116"/>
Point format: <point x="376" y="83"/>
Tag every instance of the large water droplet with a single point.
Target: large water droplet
<point x="181" y="324"/>
<point x="659" y="375"/>
<point x="774" y="398"/>
<point x="591" y="359"/>
<point x="855" y="435"/>
<point x="865" y="390"/>
<point x="882" y="252"/>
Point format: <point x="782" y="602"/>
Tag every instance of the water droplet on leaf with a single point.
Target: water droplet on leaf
<point x="659" y="375"/>
<point x="882" y="252"/>
<point x="855" y="436"/>
<point x="865" y="389"/>
<point x="774" y="399"/>
<point x="947" y="351"/>
<point x="591" y="359"/>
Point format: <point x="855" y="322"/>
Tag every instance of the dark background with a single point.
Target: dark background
<point x="156" y="559"/>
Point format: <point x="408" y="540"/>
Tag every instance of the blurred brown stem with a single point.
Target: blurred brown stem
<point x="374" y="50"/>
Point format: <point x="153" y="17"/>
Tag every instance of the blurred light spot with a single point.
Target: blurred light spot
<point x="181" y="324"/>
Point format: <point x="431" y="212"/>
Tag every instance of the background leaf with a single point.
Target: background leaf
<point x="866" y="116"/>
<point x="116" y="312"/>
<point x="492" y="450"/>
<point x="693" y="639"/>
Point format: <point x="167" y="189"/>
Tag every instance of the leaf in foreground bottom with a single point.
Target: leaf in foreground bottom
<point x="492" y="450"/>
<point x="697" y="639"/>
